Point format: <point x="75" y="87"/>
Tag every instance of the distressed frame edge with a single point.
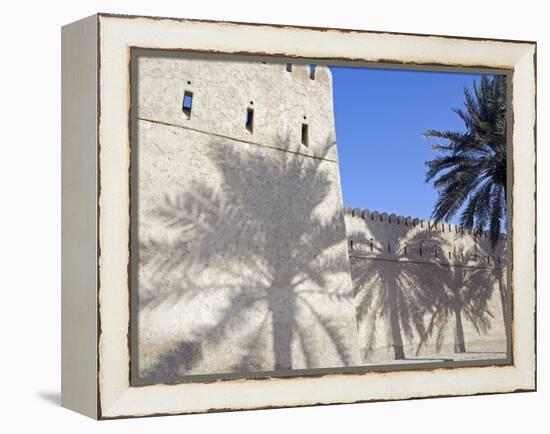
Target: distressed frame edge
<point x="107" y="414"/>
<point x="79" y="271"/>
<point x="302" y="27"/>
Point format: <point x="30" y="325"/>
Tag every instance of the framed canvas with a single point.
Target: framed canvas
<point x="244" y="218"/>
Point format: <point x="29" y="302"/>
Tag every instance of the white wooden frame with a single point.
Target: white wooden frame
<point x="96" y="158"/>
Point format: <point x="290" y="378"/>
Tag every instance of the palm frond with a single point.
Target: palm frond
<point x="469" y="170"/>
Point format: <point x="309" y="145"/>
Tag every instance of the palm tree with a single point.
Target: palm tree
<point x="470" y="172"/>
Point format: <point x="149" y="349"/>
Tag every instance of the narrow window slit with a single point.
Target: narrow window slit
<point x="288" y="67"/>
<point x="249" y="120"/>
<point x="312" y="72"/>
<point x="305" y="135"/>
<point x="187" y="104"/>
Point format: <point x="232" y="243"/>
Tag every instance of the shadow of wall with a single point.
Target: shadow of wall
<point x="426" y="291"/>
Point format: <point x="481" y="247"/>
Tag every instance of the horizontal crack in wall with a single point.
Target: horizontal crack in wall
<point x="234" y="139"/>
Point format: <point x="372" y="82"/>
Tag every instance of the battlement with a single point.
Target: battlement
<point x="395" y="237"/>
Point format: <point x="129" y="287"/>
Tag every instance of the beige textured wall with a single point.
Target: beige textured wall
<point x="240" y="255"/>
<point x="223" y="90"/>
<point x="412" y="278"/>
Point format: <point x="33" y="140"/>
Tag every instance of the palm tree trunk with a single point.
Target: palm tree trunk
<point x="397" y="340"/>
<point x="460" y="346"/>
<point x="282" y="339"/>
<point x="505" y="311"/>
<point x="281" y="304"/>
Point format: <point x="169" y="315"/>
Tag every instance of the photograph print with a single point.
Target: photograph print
<point x="294" y="218"/>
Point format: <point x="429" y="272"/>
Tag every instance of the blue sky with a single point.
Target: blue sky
<point x="380" y="116"/>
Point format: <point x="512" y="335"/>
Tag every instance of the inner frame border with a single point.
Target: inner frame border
<point x="133" y="333"/>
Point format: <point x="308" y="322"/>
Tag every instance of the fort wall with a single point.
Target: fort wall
<point x="239" y="243"/>
<point x="425" y="289"/>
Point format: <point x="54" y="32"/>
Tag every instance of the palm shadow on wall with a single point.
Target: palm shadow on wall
<point x="261" y="259"/>
<point x="464" y="294"/>
<point x="417" y="301"/>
